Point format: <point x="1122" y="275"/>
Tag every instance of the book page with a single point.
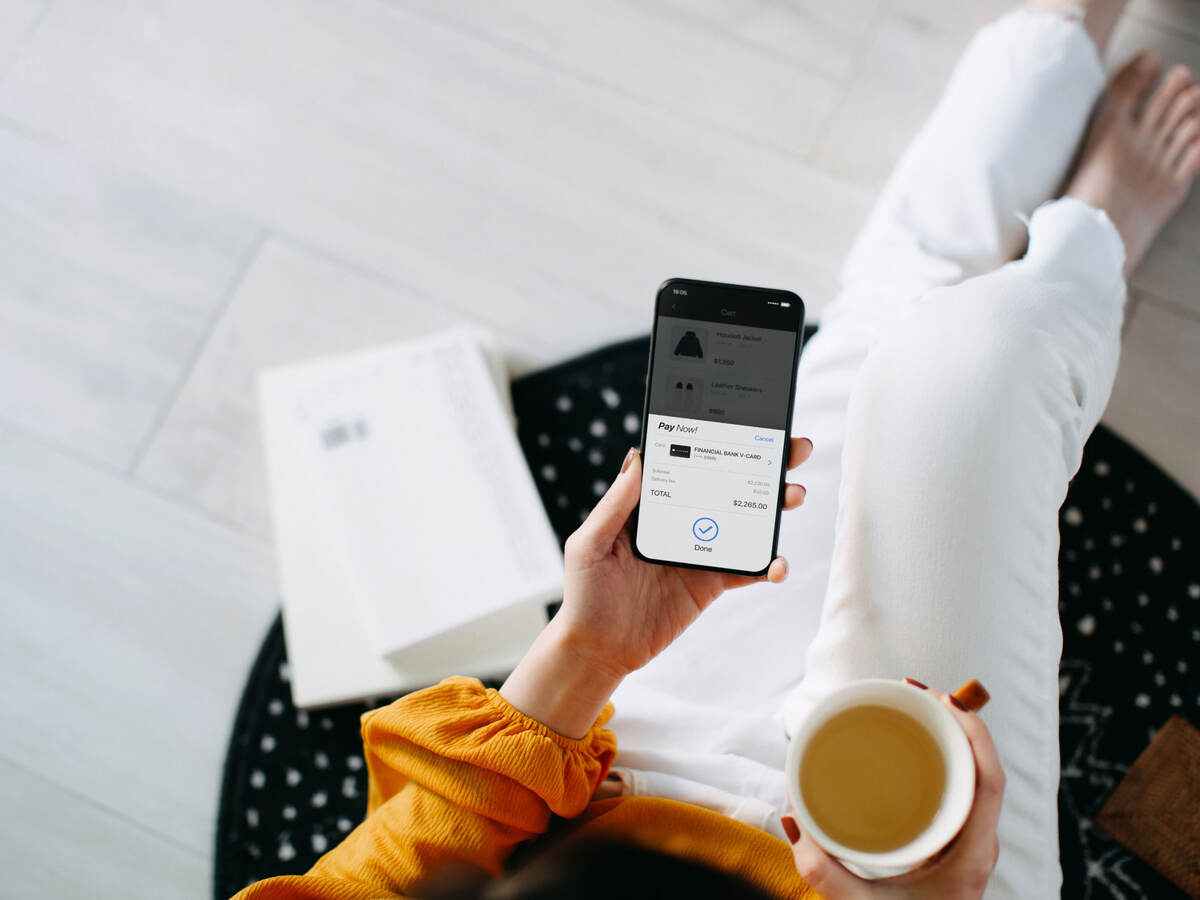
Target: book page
<point x="431" y="503"/>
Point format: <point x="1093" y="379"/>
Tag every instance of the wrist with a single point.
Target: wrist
<point x="561" y="682"/>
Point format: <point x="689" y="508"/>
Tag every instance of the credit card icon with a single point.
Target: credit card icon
<point x="683" y="451"/>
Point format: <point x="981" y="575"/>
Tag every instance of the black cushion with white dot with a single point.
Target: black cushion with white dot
<point x="295" y="783"/>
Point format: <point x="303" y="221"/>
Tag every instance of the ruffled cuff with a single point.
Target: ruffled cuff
<point x="468" y="744"/>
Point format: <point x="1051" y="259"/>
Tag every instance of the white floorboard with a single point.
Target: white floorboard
<point x="1175" y="16"/>
<point x="672" y="58"/>
<point x="898" y="79"/>
<point x="397" y="142"/>
<point x="56" y="844"/>
<point x="821" y="37"/>
<point x="129" y="624"/>
<point x="108" y="282"/>
<point x="17" y="18"/>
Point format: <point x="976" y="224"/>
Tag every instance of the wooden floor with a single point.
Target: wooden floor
<point x="191" y="191"/>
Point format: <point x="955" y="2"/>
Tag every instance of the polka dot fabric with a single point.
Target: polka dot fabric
<point x="295" y="782"/>
<point x="1129" y="601"/>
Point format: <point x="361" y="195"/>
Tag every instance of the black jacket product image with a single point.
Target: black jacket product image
<point x="689" y="345"/>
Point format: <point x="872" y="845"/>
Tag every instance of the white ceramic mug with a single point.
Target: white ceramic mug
<point x="957" y="797"/>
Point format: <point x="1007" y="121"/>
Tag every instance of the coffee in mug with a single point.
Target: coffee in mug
<point x="880" y="775"/>
<point x="872" y="778"/>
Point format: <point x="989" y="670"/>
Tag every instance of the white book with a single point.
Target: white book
<point x="410" y="538"/>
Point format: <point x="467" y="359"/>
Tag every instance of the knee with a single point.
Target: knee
<point x="955" y="358"/>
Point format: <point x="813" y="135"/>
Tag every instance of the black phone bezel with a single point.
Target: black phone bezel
<point x="733" y="290"/>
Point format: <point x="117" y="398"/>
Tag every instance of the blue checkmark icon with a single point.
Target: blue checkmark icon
<point x="705" y="529"/>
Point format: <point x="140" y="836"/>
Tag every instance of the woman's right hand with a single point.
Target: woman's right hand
<point x="959" y="871"/>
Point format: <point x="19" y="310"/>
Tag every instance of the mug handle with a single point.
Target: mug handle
<point x="972" y="696"/>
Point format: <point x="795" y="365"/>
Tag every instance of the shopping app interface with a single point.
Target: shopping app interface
<point x="715" y="435"/>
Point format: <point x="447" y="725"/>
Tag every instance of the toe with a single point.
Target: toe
<point x="1189" y="163"/>
<point x="1186" y="104"/>
<point x="1177" y="80"/>
<point x="1185" y="135"/>
<point x="1135" y="79"/>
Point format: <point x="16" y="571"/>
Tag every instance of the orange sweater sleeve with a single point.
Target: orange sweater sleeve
<point x="456" y="775"/>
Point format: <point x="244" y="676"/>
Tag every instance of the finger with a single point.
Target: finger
<point x="600" y="529"/>
<point x="776" y="572"/>
<point x="799" y="449"/>
<point x="828" y="877"/>
<point x="793" y="496"/>
<point x="989" y="774"/>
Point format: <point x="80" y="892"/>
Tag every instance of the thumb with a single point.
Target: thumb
<point x="600" y="529"/>
<point x="826" y="875"/>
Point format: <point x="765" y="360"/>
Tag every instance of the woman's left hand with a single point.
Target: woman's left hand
<point x="618" y="612"/>
<point x="625" y="611"/>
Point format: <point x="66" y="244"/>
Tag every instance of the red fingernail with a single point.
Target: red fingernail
<point x="972" y="695"/>
<point x="915" y="683"/>
<point x="628" y="459"/>
<point x="957" y="702"/>
<point x="790" y="828"/>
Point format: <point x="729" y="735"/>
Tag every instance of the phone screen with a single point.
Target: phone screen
<point x="719" y="395"/>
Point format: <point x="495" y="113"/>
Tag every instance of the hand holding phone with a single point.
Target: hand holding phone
<point x="618" y="611"/>
<point x="633" y="608"/>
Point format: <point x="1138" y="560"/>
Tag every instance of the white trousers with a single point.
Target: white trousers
<point x="948" y="394"/>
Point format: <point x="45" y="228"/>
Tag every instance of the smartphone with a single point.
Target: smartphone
<point x="720" y="387"/>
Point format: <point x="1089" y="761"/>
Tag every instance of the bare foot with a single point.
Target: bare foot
<point x="1141" y="152"/>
